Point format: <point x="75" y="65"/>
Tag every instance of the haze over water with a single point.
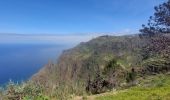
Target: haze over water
<point x="20" y="61"/>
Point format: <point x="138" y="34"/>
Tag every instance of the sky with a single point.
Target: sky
<point x="74" y="17"/>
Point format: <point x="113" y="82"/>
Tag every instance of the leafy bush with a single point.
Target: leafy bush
<point x="25" y="91"/>
<point x="111" y="66"/>
<point x="131" y="76"/>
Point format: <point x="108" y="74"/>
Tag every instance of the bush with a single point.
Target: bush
<point x="24" y="91"/>
<point x="131" y="76"/>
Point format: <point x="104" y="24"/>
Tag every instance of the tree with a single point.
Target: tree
<point x="160" y="22"/>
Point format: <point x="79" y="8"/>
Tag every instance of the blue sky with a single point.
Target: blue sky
<point x="74" y="16"/>
<point x="70" y="21"/>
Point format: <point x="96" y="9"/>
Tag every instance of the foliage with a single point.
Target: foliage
<point x="40" y="97"/>
<point x="131" y="76"/>
<point x="98" y="85"/>
<point x="25" y="91"/>
<point x="160" y="22"/>
<point x="112" y="65"/>
<point x="154" y="91"/>
<point x="102" y="64"/>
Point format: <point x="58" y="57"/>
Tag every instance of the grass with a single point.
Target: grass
<point x="162" y="93"/>
<point x="152" y="88"/>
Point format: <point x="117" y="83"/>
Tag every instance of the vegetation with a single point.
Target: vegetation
<point x="23" y="91"/>
<point x="102" y="64"/>
<point x="94" y="67"/>
<point x="151" y="88"/>
<point x="160" y="22"/>
<point x="106" y="63"/>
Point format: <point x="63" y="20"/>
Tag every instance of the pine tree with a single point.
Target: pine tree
<point x="159" y="23"/>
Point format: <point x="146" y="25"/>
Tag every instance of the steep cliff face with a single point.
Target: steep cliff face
<point x="105" y="63"/>
<point x="86" y="59"/>
<point x="89" y="59"/>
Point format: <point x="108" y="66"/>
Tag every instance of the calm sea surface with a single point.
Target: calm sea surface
<point x="18" y="62"/>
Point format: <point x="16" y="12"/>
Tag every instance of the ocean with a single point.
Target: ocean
<point x="18" y="62"/>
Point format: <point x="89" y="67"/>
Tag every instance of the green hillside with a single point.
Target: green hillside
<point x="131" y="67"/>
<point x="104" y="63"/>
<point x="101" y="65"/>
